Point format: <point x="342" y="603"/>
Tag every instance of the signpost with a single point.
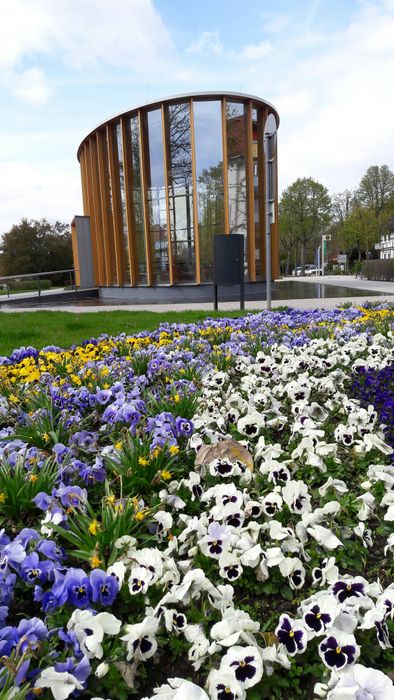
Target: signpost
<point x="325" y="237"/>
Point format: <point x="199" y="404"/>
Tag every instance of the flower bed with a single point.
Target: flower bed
<point x="205" y="510"/>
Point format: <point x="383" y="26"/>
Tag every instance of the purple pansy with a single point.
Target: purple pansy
<point x="104" y="588"/>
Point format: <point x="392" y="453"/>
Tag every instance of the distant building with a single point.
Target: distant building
<point x="161" y="180"/>
<point x="386" y="245"/>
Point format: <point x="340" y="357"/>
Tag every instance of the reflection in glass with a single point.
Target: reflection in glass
<point x="236" y="168"/>
<point x="125" y="245"/>
<point x="138" y="201"/>
<point x="180" y="191"/>
<point x="209" y="173"/>
<point x="157" y="199"/>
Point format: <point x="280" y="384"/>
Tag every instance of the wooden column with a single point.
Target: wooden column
<point x="250" y="193"/>
<point x="128" y="185"/>
<point x="95" y="203"/>
<point x="106" y="212"/>
<point x="117" y="215"/>
<point x="195" y="195"/>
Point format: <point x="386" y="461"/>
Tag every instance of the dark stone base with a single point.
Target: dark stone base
<point x="192" y="293"/>
<point x="61" y="297"/>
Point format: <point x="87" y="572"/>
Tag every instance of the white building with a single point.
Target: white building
<point x="386" y="245"/>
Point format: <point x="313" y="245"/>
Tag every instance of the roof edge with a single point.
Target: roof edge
<point x="172" y="98"/>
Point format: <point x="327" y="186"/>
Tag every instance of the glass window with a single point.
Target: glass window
<point x="209" y="174"/>
<point x="236" y="170"/>
<point x="138" y="200"/>
<point x="157" y="199"/>
<point x="125" y="246"/>
<point x="180" y="191"/>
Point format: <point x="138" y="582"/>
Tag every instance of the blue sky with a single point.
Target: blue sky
<point x="67" y="65"/>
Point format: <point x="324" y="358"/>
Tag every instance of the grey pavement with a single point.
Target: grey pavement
<point x="363" y="291"/>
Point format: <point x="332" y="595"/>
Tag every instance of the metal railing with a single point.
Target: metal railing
<point x="6" y="280"/>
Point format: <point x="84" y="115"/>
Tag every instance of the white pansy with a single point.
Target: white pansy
<point x="90" y="629"/>
<point x="61" y="684"/>
<point x="118" y="570"/>
<point x="140" y="638"/>
<point x="222" y="684"/>
<point x="178" y="689"/>
<point x="245" y="663"/>
<point x="325" y="537"/>
<point x="338" y="485"/>
<point x="362" y="683"/>
<point x="236" y="626"/>
<point x="297" y="497"/>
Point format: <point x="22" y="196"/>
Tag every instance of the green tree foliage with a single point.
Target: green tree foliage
<point x="376" y="188"/>
<point x="304" y="213"/>
<point x="360" y="217"/>
<point x="36" y="246"/>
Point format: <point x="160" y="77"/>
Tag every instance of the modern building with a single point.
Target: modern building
<point x="161" y="180"/>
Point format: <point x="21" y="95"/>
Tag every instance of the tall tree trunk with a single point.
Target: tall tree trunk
<point x="303" y="251"/>
<point x="287" y="270"/>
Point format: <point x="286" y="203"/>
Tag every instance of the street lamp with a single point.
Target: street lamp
<point x="269" y="157"/>
<point x="325" y="237"/>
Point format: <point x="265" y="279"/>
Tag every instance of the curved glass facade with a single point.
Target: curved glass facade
<point x="160" y="181"/>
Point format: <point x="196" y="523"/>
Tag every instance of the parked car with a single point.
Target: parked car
<point x="309" y="270"/>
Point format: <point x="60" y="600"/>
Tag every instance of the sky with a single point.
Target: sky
<point x="68" y="65"/>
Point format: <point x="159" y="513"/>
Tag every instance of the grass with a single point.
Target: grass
<point x="40" y="328"/>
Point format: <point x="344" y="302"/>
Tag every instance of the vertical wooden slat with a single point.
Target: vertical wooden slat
<point x="250" y="193"/>
<point x="117" y="218"/>
<point x="166" y="185"/>
<point x="95" y="202"/>
<point x="144" y="184"/>
<point x="225" y="167"/>
<point x="195" y="202"/>
<point x="106" y="206"/>
<point x="83" y="181"/>
<point x="261" y="119"/>
<point x="129" y="184"/>
<point x="88" y="206"/>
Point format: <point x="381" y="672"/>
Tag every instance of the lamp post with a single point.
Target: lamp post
<point x="325" y="237"/>
<point x="269" y="157"/>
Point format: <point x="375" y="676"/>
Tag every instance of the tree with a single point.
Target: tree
<point x="36" y="246"/>
<point x="342" y="205"/>
<point x="376" y="188"/>
<point x="305" y="211"/>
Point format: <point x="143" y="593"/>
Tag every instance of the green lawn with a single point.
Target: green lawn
<point x="40" y="328"/>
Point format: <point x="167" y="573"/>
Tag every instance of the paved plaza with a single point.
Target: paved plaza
<point x="364" y="290"/>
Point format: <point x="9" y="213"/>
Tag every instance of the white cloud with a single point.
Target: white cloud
<point x="207" y="42"/>
<point x="30" y="86"/>
<point x="84" y="34"/>
<point x="52" y="192"/>
<point x="252" y="52"/>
